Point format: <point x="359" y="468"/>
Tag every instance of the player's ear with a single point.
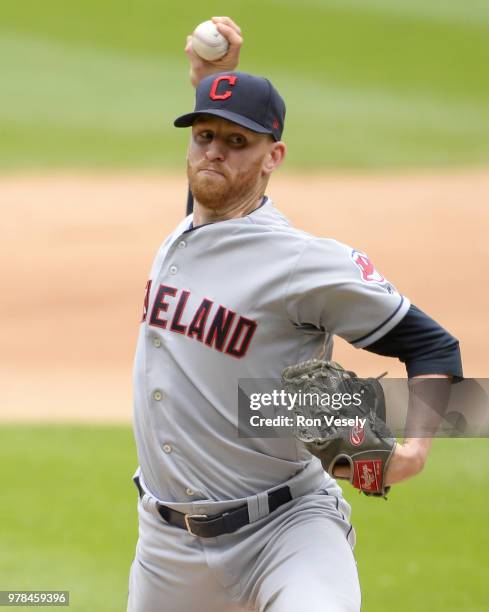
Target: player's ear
<point x="274" y="157"/>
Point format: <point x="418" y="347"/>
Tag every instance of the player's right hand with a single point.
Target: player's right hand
<point x="200" y="68"/>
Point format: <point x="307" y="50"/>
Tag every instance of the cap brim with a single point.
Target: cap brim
<point x="188" y="119"/>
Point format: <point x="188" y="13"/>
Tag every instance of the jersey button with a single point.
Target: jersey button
<point x="173" y="269"/>
<point x="157" y="395"/>
<point x="167" y="448"/>
<point x="156" y="342"/>
<point x="189" y="492"/>
<point x="182" y="244"/>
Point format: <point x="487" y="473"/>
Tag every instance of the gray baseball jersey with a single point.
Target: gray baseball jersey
<point x="242" y="298"/>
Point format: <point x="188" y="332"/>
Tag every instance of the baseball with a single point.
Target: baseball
<point x="208" y="42"/>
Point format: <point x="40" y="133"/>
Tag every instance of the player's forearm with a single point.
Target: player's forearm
<point x="428" y="400"/>
<point x="424" y="346"/>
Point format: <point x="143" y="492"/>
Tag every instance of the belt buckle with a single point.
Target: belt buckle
<point x="191" y="516"/>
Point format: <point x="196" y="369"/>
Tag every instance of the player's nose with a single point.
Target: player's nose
<point x="215" y="151"/>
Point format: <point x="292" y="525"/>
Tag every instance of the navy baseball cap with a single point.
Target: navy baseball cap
<point x="242" y="98"/>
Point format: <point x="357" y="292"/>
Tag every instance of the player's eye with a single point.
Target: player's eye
<point x="237" y="140"/>
<point x="204" y="136"/>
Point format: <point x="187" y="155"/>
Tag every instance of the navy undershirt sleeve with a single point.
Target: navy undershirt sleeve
<point x="422" y="345"/>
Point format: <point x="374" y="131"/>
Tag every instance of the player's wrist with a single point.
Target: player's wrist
<point x="194" y="79"/>
<point x="199" y="73"/>
<point x="417" y="450"/>
<point x="407" y="461"/>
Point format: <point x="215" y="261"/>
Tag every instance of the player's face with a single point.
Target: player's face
<point x="227" y="163"/>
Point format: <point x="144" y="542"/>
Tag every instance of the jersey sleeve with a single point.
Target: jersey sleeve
<point x="336" y="288"/>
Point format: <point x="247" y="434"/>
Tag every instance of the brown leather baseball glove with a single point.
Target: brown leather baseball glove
<point x="341" y="419"/>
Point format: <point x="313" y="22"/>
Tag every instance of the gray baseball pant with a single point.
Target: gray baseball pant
<point x="297" y="558"/>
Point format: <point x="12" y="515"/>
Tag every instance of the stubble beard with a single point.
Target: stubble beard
<point x="217" y="192"/>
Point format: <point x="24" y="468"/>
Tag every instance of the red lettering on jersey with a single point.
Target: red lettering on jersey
<point x="161" y="306"/>
<point x="215" y="334"/>
<point x="219" y="328"/>
<point x="366" y="267"/>
<point x="175" y="324"/>
<point x="248" y="327"/>
<point x="228" y="93"/>
<point x="197" y="326"/>
<point x="146" y="301"/>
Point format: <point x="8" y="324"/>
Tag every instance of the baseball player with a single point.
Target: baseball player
<point x="235" y="292"/>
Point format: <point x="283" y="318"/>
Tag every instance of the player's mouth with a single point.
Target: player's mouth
<point x="211" y="171"/>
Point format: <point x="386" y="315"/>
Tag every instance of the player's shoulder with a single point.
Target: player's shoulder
<point x="313" y="252"/>
<point x="270" y="221"/>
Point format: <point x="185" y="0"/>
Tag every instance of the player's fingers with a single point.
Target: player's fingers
<point x="195" y="60"/>
<point x="189" y="50"/>
<point x="227" y="21"/>
<point x="234" y="39"/>
<point x="342" y="471"/>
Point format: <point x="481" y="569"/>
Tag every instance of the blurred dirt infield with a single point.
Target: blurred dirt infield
<point x="75" y="252"/>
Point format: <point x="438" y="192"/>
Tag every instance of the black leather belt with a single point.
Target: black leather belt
<point x="204" y="526"/>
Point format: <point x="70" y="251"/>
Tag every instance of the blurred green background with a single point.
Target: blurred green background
<point x="368" y="83"/>
<point x="69" y="522"/>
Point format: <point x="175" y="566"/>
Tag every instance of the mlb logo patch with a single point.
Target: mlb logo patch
<point x="367" y="270"/>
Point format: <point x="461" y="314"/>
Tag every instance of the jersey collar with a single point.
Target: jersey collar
<point x="192" y="228"/>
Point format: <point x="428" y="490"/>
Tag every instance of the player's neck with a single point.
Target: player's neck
<point x="203" y="215"/>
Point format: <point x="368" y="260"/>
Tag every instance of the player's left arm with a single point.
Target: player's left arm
<point x="336" y="288"/>
<point x="409" y="458"/>
<point x="433" y="362"/>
